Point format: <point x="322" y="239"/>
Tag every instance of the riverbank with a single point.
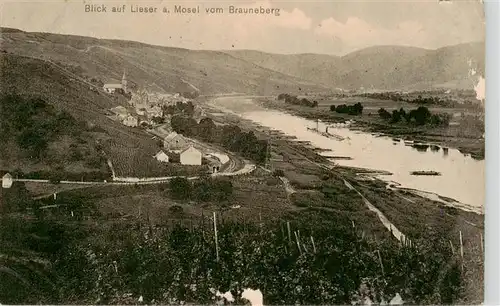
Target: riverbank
<point x="466" y="140"/>
<point x="421" y="219"/>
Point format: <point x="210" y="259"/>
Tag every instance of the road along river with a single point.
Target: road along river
<point x="461" y="177"/>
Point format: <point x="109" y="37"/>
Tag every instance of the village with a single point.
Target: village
<point x="147" y="110"/>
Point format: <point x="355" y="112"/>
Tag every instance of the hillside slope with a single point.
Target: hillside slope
<point x="380" y="67"/>
<point x="31" y="78"/>
<point x="152" y="67"/>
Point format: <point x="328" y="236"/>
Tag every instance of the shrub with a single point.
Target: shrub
<point x="175" y="210"/>
<point x="278" y="173"/>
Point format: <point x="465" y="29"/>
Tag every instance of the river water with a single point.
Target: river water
<point x="462" y="177"/>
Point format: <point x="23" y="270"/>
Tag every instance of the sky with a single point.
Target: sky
<point x="317" y="26"/>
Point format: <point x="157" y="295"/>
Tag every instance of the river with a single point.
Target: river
<point x="462" y="177"/>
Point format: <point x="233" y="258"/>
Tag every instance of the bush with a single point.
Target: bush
<point x="278" y="173"/>
<point x="356" y="109"/>
<point x="176" y="210"/>
<point x="289" y="99"/>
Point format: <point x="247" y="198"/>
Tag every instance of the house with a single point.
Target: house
<point x="120" y="112"/>
<point x="111" y="88"/>
<point x="175" y="141"/>
<point x="7" y="180"/>
<point x="162" y="157"/>
<point x="131" y="121"/>
<point x="191" y="156"/>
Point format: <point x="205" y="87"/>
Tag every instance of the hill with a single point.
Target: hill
<point x="152" y="67"/>
<point x="380" y="67"/>
<point x="69" y="97"/>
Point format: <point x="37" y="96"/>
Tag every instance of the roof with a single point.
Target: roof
<point x="171" y="136"/>
<point x="160" y="153"/>
<point x="7" y="176"/>
<point x="119" y="110"/>
<point x="213" y="160"/>
<point x="190" y="148"/>
<point x="112" y="86"/>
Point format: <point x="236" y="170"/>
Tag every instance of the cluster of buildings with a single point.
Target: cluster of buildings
<point x="144" y="106"/>
<point x="188" y="154"/>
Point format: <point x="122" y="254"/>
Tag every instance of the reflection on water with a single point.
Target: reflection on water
<point x="462" y="177"/>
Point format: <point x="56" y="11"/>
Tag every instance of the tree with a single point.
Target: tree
<point x="206" y="129"/>
<point x="396" y="116"/>
<point x="332" y="108"/>
<point x="384" y="114"/>
<point x="422" y="115"/>
<point x="158" y="120"/>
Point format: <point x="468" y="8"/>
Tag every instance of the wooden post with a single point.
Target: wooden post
<point x="216" y="241"/>
<point x="150" y="226"/>
<point x="314" y="246"/>
<point x="298" y="243"/>
<point x="353" y="224"/>
<point x="461" y="246"/>
<point x="482" y="246"/>
<point x="289" y="234"/>
<point x="381" y="264"/>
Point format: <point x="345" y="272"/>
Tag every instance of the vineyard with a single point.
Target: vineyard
<point x="302" y="259"/>
<point x="138" y="161"/>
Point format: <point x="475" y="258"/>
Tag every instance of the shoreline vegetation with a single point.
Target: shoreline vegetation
<point x="447" y="137"/>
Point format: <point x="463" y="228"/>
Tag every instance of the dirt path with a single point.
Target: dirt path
<point x="391" y="227"/>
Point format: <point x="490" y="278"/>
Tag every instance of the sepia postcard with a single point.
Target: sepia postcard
<point x="271" y="152"/>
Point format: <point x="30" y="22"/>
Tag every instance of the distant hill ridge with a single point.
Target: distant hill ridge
<point x="380" y="67"/>
<point x="162" y="68"/>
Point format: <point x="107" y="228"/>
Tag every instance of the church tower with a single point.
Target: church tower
<point x="124" y="82"/>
